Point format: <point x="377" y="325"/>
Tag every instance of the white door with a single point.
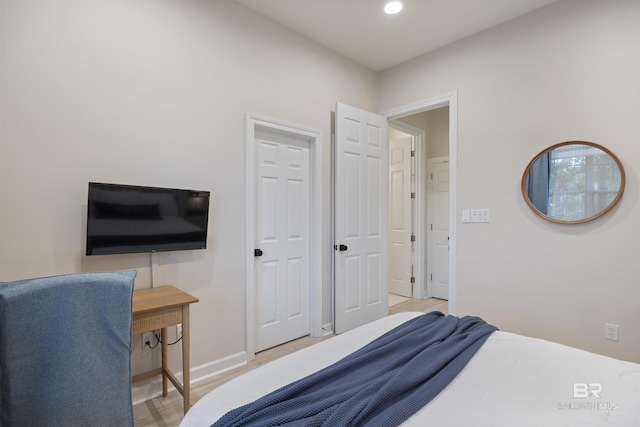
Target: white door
<point x="361" y="217"/>
<point x="282" y="236"/>
<point x="439" y="227"/>
<point x="400" y="217"/>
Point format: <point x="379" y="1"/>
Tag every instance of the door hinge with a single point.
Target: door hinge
<point x="413" y="237"/>
<point x="413" y="153"/>
<point x="413" y="279"/>
<point x="413" y="195"/>
<point x="430" y="276"/>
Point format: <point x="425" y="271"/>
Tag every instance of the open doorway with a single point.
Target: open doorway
<point x="349" y="131"/>
<point x="419" y="206"/>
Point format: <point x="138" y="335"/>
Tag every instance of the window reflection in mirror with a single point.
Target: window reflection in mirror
<point x="573" y="182"/>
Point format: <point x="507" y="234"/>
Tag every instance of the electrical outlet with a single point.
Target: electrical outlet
<point x="611" y="332"/>
<point x="147" y="338"/>
<point x="179" y="331"/>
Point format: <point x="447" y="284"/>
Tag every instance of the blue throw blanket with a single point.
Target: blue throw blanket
<point x="381" y="384"/>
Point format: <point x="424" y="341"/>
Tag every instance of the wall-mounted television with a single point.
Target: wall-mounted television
<point x="132" y="219"/>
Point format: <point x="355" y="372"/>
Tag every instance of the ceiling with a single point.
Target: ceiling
<point x="360" y="30"/>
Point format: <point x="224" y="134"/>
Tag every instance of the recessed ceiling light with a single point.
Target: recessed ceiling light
<point x="393" y="7"/>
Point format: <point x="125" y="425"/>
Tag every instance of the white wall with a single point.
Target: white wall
<point x="565" y="72"/>
<point x="438" y="132"/>
<point x="152" y="93"/>
<point x="435" y="124"/>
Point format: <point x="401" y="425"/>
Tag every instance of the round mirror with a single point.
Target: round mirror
<point x="573" y="182"/>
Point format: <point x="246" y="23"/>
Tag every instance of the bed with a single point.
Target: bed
<point x="512" y="380"/>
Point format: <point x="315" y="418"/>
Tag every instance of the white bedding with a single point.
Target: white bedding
<point x="511" y="381"/>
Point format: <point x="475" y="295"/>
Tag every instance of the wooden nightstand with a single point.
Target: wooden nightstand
<point x="159" y="308"/>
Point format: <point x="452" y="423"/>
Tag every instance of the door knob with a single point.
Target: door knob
<point x="257" y="252"/>
<point x="340" y="248"/>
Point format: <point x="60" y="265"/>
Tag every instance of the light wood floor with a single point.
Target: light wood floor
<point x="168" y="412"/>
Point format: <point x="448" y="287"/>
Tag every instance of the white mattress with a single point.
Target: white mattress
<point x="511" y="381"/>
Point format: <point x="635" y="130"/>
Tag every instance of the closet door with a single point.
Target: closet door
<point x="282" y="273"/>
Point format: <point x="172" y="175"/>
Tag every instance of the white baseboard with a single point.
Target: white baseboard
<point x="327" y="329"/>
<point x="148" y="389"/>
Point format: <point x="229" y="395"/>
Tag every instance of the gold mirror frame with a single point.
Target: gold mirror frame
<point x="525" y="193"/>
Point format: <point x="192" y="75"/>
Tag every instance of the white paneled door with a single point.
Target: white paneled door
<point x="361" y="217"/>
<point x="439" y="227"/>
<point x="282" y="237"/>
<point x="400" y="217"/>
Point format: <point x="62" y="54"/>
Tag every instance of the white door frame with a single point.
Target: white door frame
<point x="252" y="123"/>
<point x="419" y="248"/>
<point x="451" y="100"/>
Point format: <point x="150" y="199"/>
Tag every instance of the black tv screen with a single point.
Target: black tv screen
<point x="131" y="219"/>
